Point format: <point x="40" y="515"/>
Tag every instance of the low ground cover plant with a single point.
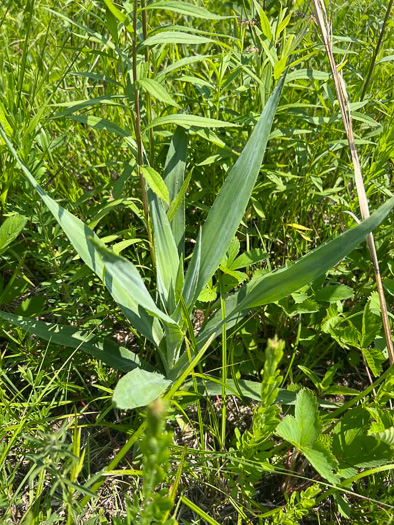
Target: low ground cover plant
<point x="185" y="260"/>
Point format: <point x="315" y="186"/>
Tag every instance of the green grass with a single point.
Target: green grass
<point x="211" y="454"/>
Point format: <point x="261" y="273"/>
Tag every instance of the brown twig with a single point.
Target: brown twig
<point x="344" y="105"/>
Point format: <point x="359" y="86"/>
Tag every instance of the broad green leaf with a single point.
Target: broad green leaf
<point x="188" y="121"/>
<point x="187" y="9"/>
<point x="175" y="37"/>
<point x="156" y="183"/>
<point x="138" y="388"/>
<point x="10" y="229"/>
<point x="322" y="460"/>
<point x="221" y="226"/>
<point x="354" y="447"/>
<point x="174" y="172"/>
<point x="303" y="430"/>
<point x="107" y="351"/>
<point x="157" y="90"/>
<point x="334" y="293"/>
<point x="86" y="243"/>
<point x="387" y="436"/>
<point x="305" y="427"/>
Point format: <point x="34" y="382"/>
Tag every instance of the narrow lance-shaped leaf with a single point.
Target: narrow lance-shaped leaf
<point x="187" y="9"/>
<point x="85" y="243"/>
<point x="167" y="259"/>
<point x="230" y="204"/>
<point x="107" y="351"/>
<point x="276" y="285"/>
<point x="157" y="90"/>
<point x="174" y="172"/>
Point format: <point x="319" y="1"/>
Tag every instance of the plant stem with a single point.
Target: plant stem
<point x="138" y="132"/>
<point x="224" y="363"/>
<point x="344" y="105"/>
<point x="376" y="52"/>
<point x="148" y="97"/>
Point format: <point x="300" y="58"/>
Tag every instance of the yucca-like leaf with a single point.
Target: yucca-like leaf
<point x="278" y="284"/>
<point x="227" y="211"/>
<point x="89" y="248"/>
<point x="174" y="173"/>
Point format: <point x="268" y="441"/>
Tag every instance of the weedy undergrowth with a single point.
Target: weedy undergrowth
<point x="162" y="305"/>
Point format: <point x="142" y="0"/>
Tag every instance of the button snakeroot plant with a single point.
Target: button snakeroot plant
<point x="167" y="322"/>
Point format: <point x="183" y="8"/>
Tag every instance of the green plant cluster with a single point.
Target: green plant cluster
<point x="190" y="330"/>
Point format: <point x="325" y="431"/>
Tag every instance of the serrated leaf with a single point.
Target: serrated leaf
<point x="303" y="431"/>
<point x="303" y="428"/>
<point x="354" y="447"/>
<point x="387" y="436"/>
<point x="322" y="460"/>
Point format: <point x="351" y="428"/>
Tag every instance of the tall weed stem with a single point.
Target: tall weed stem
<point x="377" y="49"/>
<point x="138" y="131"/>
<point x="344" y="105"/>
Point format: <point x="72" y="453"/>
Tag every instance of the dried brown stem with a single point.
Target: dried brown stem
<point x="344" y="105"/>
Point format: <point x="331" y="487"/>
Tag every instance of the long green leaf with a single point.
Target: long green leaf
<point x="230" y="204"/>
<point x="276" y="285"/>
<point x="189" y="121"/>
<point x="167" y="258"/>
<point x="281" y="283"/>
<point x="85" y="242"/>
<point x="157" y="90"/>
<point x="184" y="8"/>
<point x="156" y="183"/>
<point x="107" y="351"/>
<point x="174" y="172"/>
<point x="130" y="290"/>
<point x="175" y="37"/>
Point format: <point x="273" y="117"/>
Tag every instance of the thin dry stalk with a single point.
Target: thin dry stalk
<point x="344" y="105"/>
